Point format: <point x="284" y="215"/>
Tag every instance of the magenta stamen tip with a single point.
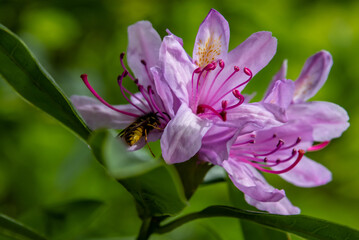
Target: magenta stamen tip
<point x="122" y="55"/>
<point x="247" y="71"/>
<point x="198" y="70"/>
<point x="84" y="76"/>
<point x="221" y="63"/>
<point x="236" y="68"/>
<point x="143" y="62"/>
<point x="224" y="104"/>
<point x="236" y="93"/>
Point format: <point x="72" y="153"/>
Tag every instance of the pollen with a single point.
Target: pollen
<point x="208" y="50"/>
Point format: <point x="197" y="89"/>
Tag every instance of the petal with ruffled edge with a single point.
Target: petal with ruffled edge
<point x="280" y="75"/>
<point x="182" y="137"/>
<point x="313" y="76"/>
<point x="254" y="53"/>
<point x="251" y="182"/>
<point x="307" y="173"/>
<point x="97" y="115"/>
<point x="216" y="144"/>
<point x="212" y="39"/>
<point x="328" y="120"/>
<point x="282" y="207"/>
<point x="143" y="44"/>
<point x="177" y="68"/>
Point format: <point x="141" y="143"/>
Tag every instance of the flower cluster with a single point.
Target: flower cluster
<point x="194" y="105"/>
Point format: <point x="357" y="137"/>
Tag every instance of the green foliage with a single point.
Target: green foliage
<point x="304" y="226"/>
<point x="154" y="185"/>
<point x="12" y="229"/>
<point x="21" y="70"/>
<point x="42" y="164"/>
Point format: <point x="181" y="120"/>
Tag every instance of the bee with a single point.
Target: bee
<point x="140" y="128"/>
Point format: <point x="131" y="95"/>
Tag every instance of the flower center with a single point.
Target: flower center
<point x="210" y="87"/>
<point x="247" y="152"/>
<point x="149" y="102"/>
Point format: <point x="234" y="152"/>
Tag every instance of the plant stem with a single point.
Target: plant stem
<point x="145" y="230"/>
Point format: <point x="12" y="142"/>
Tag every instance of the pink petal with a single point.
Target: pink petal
<point x="177" y="68"/>
<point x="282" y="207"/>
<point x="254" y="53"/>
<point x="251" y="182"/>
<point x="327" y="119"/>
<point x="143" y="44"/>
<point x="313" y="76"/>
<point x="97" y="115"/>
<point x="308" y="173"/>
<point x="212" y="39"/>
<point x="179" y="40"/>
<point x="280" y="75"/>
<point x="250" y="117"/>
<point x="216" y="144"/>
<point x="182" y="137"/>
<point x="281" y="94"/>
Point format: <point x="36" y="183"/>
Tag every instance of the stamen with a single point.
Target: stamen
<point x="84" y="79"/>
<point x="318" y="147"/>
<point x="279" y="145"/>
<point x="240" y="97"/>
<point x="299" y="157"/>
<point x="221" y="65"/>
<point x="122" y="88"/>
<point x="122" y="56"/>
<point x="202" y="107"/>
<point x="246" y="71"/>
<point x="143" y="92"/>
<point x="235" y="70"/>
<point x="150" y="94"/>
<point x="299" y="139"/>
<point x="148" y="73"/>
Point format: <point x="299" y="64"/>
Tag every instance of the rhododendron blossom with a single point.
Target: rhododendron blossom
<point x="210" y="110"/>
<point x="143" y="49"/>
<point x="281" y="149"/>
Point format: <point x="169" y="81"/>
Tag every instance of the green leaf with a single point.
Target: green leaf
<point x="64" y="221"/>
<point x="24" y="73"/>
<point x="14" y="230"/>
<point x="304" y="226"/>
<point x="251" y="230"/>
<point x="155" y="185"/>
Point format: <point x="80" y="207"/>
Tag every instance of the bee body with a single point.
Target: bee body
<point x="140" y="128"/>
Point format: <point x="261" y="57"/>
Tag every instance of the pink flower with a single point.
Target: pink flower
<point x="145" y="108"/>
<point x="210" y="110"/>
<point x="281" y="149"/>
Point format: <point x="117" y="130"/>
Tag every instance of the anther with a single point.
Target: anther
<point x="143" y="62"/>
<point x="221" y="63"/>
<point x="247" y="71"/>
<point x="236" y="68"/>
<point x="224" y="104"/>
<point x="198" y="70"/>
<point x="122" y="55"/>
<point x="223" y="115"/>
<point x="236" y="93"/>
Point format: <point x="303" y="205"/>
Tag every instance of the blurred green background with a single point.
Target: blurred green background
<point x="43" y="165"/>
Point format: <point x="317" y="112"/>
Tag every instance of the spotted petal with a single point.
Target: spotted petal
<point x="143" y="44"/>
<point x="212" y="39"/>
<point x="313" y="76"/>
<point x="182" y="137"/>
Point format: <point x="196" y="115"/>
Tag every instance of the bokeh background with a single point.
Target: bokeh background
<point x="43" y="165"/>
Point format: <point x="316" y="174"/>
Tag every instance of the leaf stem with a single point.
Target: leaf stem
<point x="145" y="230"/>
